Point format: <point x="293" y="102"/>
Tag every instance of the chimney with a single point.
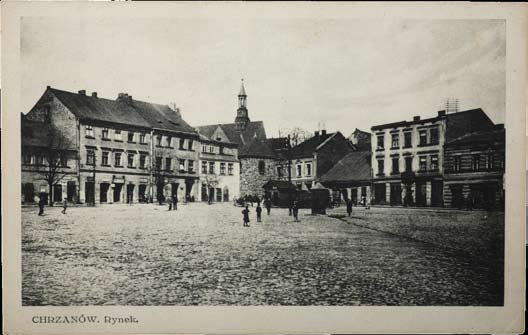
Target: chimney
<point x="82" y="92"/>
<point x="48" y="87"/>
<point x="124" y="97"/>
<point x="441" y="113"/>
<point x="177" y="111"/>
<point x="94" y="94"/>
<point x="416" y="118"/>
<point x="323" y="132"/>
<point x="316" y="133"/>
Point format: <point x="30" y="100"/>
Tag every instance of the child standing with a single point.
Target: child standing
<point x="259" y="212"/>
<point x="64" y="206"/>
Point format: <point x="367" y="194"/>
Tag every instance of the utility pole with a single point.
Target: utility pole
<point x="289" y="176"/>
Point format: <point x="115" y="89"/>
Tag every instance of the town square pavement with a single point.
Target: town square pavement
<point x="201" y="254"/>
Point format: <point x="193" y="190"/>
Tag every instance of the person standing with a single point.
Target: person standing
<point x="267" y="203"/>
<point x="174" y="202"/>
<point x="64" y="206"/>
<point x="295" y="210"/>
<point x="170" y="204"/>
<point x="41" y="206"/>
<point x="245" y="213"/>
<point x="349" y="206"/>
<point x="259" y="212"/>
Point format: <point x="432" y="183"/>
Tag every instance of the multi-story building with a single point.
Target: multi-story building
<point x="315" y="156"/>
<point x="124" y="149"/>
<point x="219" y="170"/>
<point x="474" y="170"/>
<point x="407" y="156"/>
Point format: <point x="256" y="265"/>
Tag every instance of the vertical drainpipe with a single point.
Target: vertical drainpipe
<point x="79" y="162"/>
<point x="151" y="186"/>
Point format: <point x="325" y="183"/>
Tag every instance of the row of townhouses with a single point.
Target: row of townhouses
<point x="126" y="150"/>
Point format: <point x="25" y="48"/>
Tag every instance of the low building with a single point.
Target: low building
<point x="407" y="156"/>
<point x="352" y="177"/>
<point x="474" y="170"/>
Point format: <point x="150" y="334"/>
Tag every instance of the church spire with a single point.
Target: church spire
<point x="242" y="117"/>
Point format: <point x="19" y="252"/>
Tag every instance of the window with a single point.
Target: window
<point x="423" y="163"/>
<point x="182" y="144"/>
<point x="395" y="165"/>
<point x="475" y="162"/>
<point x="407" y="137"/>
<point x="104" y="158"/>
<point x="90" y="157"/>
<point x="142" y="138"/>
<point x="169" y="141"/>
<point x="204" y="148"/>
<point x="230" y="169"/>
<point x="26" y="159"/>
<point x="105" y="133"/>
<point x="434" y="135"/>
<point x="279" y="171"/>
<point x="39" y="160"/>
<point x="299" y="170"/>
<point x="211" y="149"/>
<point x="63" y="161"/>
<point x="395" y="140"/>
<point x="158" y="140"/>
<point x="117" y="135"/>
<point x="381" y="167"/>
<point x="261" y="167"/>
<point x="456" y="164"/>
<point x="489" y="162"/>
<point x="168" y="164"/>
<point x="222" y="168"/>
<point x="130" y="136"/>
<point x="182" y="164"/>
<point x="190" y="145"/>
<point x="308" y="169"/>
<point x="89" y="131"/>
<point x="204" y="167"/>
<point x="131" y="160"/>
<point x="190" y="166"/>
<point x="423" y="137"/>
<point x="211" y="167"/>
<point x="408" y="164"/>
<point x="159" y="163"/>
<point x="381" y="140"/>
<point x="117" y="159"/>
<point x="434" y="162"/>
<point x="142" y="161"/>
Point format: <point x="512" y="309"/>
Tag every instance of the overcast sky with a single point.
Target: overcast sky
<point x="347" y="73"/>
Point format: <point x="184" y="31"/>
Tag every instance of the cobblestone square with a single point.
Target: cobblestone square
<point x="201" y="255"/>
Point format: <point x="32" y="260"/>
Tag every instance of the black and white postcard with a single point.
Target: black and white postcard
<point x="263" y="167"/>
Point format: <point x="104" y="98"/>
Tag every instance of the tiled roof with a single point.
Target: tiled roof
<point x="135" y="112"/>
<point x="257" y="148"/>
<point x="461" y="123"/>
<point x="254" y="129"/>
<point x="353" y="167"/>
<point x="494" y="135"/>
<point x="308" y="147"/>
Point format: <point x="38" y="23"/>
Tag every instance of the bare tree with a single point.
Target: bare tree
<point x="58" y="148"/>
<point x="297" y="135"/>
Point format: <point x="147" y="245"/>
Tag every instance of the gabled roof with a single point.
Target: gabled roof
<point x="461" y="123"/>
<point x="257" y="148"/>
<point x="254" y="129"/>
<point x="132" y="112"/>
<point x="308" y="147"/>
<point x="353" y="167"/>
<point x="33" y="133"/>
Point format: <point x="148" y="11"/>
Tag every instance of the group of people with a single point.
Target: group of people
<point x="267" y="204"/>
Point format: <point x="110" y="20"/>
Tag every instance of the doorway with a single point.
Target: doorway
<point x="71" y="190"/>
<point x="117" y="192"/>
<point x="395" y="194"/>
<point x="437" y="190"/>
<point x="142" y="190"/>
<point x="57" y="193"/>
<point x="103" y="192"/>
<point x="130" y="193"/>
<point x="421" y="198"/>
<point x="89" y="192"/>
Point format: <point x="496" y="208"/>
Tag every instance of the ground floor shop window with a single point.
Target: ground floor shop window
<point x="28" y="191"/>
<point x="379" y="194"/>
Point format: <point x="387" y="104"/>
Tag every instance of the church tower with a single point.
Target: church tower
<point x="242" y="118"/>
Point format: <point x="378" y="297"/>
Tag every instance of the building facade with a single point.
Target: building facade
<point x="219" y="170"/>
<point x="315" y="156"/>
<point x="474" y="170"/>
<point x="125" y="150"/>
<point x="408" y="156"/>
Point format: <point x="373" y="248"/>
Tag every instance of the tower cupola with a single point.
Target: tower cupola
<point x="242" y="117"/>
